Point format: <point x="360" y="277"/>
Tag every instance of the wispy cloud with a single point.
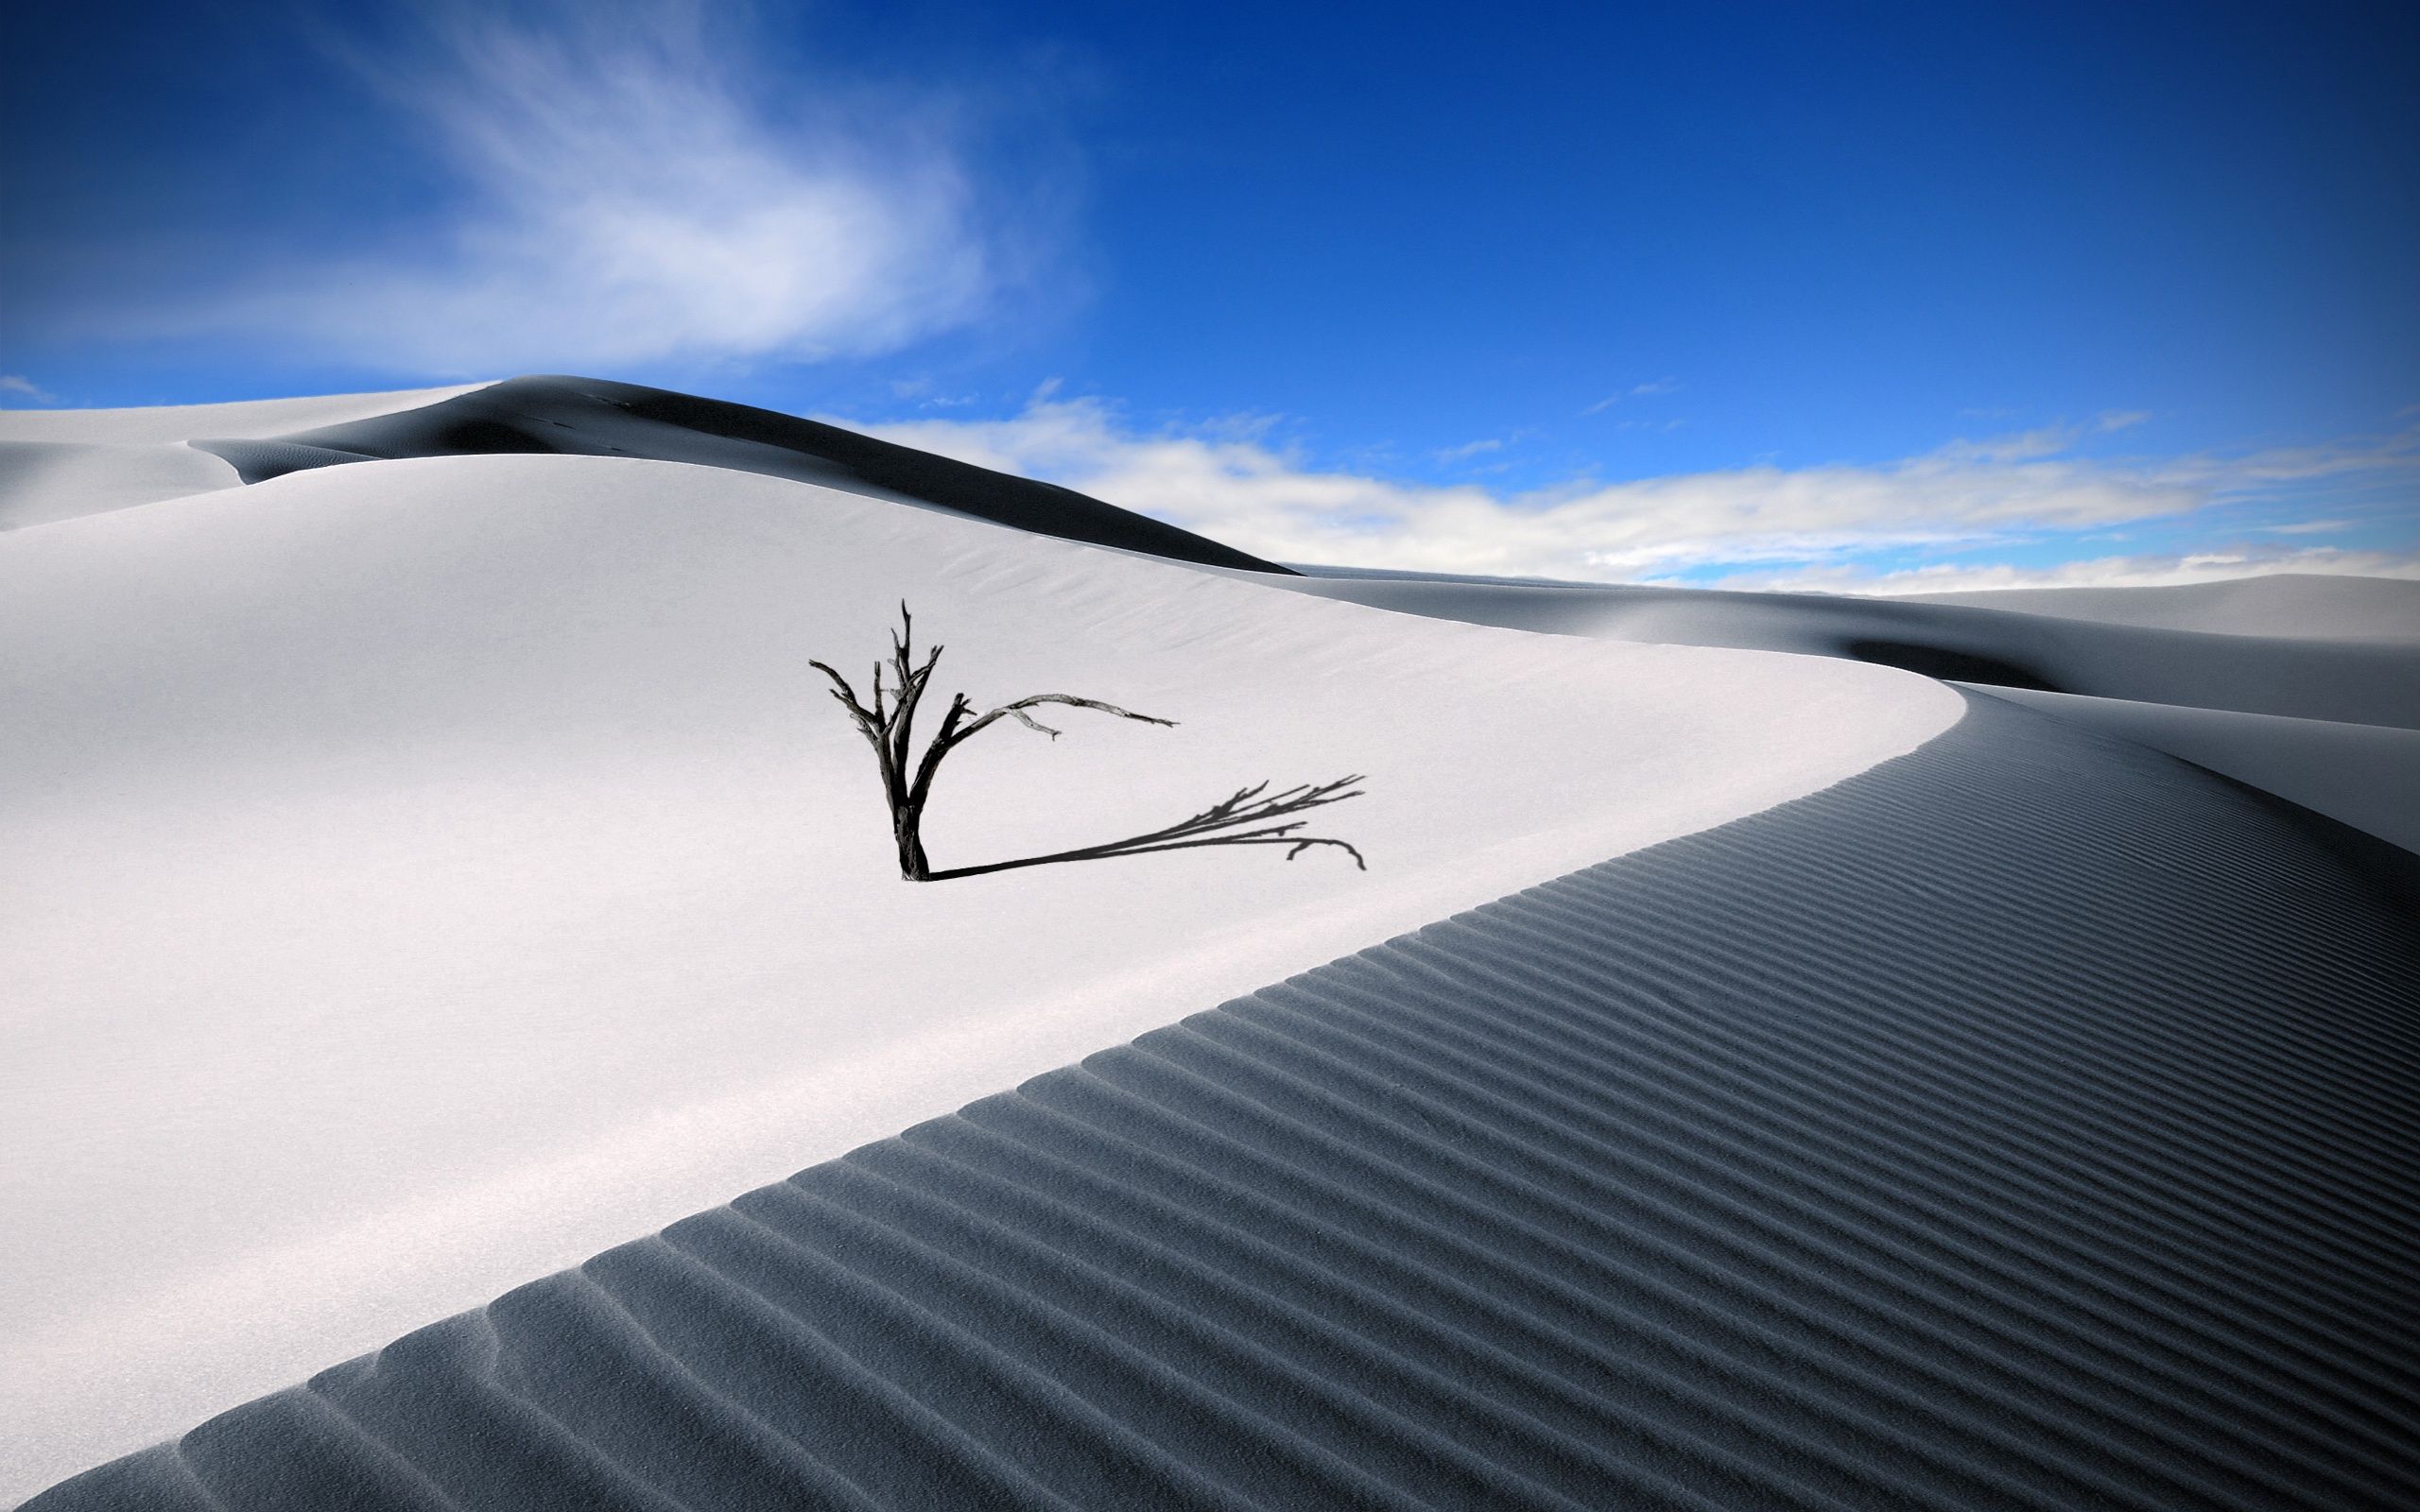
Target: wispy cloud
<point x="629" y="187"/>
<point x="2048" y="440"/>
<point x="1470" y="449"/>
<point x="2003" y="493"/>
<point x="2306" y="527"/>
<point x="2146" y="571"/>
<point x="23" y="387"/>
<point x="1645" y="390"/>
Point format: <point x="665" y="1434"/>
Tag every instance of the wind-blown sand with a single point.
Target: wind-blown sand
<point x="2024" y="1122"/>
<point x="61" y="464"/>
<point x="427" y="873"/>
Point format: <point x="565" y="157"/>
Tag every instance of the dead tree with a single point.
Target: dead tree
<point x="889" y="727"/>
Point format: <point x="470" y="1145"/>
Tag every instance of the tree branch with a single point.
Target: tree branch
<point x="1244" y="813"/>
<point x="1017" y="711"/>
<point x="868" y="724"/>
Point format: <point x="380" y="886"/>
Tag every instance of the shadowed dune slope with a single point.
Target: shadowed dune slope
<point x="593" y="416"/>
<point x="2367" y="776"/>
<point x="2025" y="1123"/>
<point x="2300" y="604"/>
<point x="2373" y="681"/>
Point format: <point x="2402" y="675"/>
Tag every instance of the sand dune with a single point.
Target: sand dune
<point x="440" y="866"/>
<point x="427" y="873"/>
<point x="2328" y="720"/>
<point x="2372" y="680"/>
<point x="2024" y="1122"/>
<point x="592" y="416"/>
<point x="2366" y="775"/>
<point x="61" y="464"/>
<point x="43" y="481"/>
<point x="2298" y="605"/>
<point x="168" y="424"/>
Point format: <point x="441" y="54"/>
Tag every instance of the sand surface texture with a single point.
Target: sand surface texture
<point x="2024" y="1122"/>
<point x="427" y="873"/>
<point x="440" y="866"/>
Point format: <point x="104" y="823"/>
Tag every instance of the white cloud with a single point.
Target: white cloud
<point x="1645" y="390"/>
<point x="2149" y="571"/>
<point x="629" y="190"/>
<point x="2048" y="440"/>
<point x="1236" y="486"/>
<point x="24" y="388"/>
<point x="1470" y="449"/>
<point x="2307" y="527"/>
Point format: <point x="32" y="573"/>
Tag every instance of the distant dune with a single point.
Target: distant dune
<point x="60" y="464"/>
<point x="2374" y="680"/>
<point x="1873" y="1053"/>
<point x="2298" y="714"/>
<point x="2296" y="606"/>
<point x="2367" y="776"/>
<point x="592" y="416"/>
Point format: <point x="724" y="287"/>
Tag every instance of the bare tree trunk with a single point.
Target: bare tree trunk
<point x="906" y="824"/>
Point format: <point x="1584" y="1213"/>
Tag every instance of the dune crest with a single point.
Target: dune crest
<point x="61" y="464"/>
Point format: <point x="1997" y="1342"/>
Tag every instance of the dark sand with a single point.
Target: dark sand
<point x="592" y="416"/>
<point x="2028" y="1121"/>
<point x="2367" y="776"/>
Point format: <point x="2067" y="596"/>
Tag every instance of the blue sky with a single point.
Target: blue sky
<point x="1882" y="296"/>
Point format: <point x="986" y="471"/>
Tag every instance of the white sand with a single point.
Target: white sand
<point x="251" y="418"/>
<point x="423" y="874"/>
<point x="61" y="464"/>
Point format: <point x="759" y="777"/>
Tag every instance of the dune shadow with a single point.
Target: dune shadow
<point x="1948" y="665"/>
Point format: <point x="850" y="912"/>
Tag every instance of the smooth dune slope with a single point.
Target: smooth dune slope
<point x="2300" y="605"/>
<point x="594" y="417"/>
<point x="424" y="874"/>
<point x="2372" y="680"/>
<point x="2024" y="1122"/>
<point x="60" y="464"/>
